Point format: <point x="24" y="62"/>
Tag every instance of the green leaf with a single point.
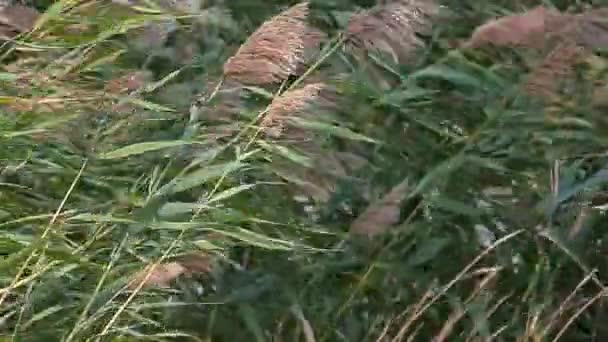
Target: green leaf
<point x="206" y="245"/>
<point x="338" y="131"/>
<point x="255" y="239"/>
<point x="396" y="98"/>
<point x="230" y="192"/>
<point x="568" y="191"/>
<point x="177" y="226"/>
<point x="148" y="105"/>
<point x="198" y="177"/>
<point x="486" y="163"/>
<point x="439" y="172"/>
<point x="259" y="91"/>
<point x="52" y="12"/>
<point x="5" y="76"/>
<point x="156" y="85"/>
<point x="251" y="322"/>
<point x="103" y="60"/>
<point x="287" y="153"/>
<point x="428" y="251"/>
<point x="456" y="207"/>
<point x="100" y="219"/>
<point x="446" y="73"/>
<point x="180" y="208"/>
<point x="140" y="148"/>
<point x="42" y="315"/>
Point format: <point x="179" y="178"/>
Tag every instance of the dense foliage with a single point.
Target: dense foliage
<point x="124" y="143"/>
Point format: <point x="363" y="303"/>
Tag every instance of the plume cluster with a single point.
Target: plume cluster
<point x="283" y="46"/>
<point x="319" y="180"/>
<point x="564" y="38"/>
<point x="391" y="28"/>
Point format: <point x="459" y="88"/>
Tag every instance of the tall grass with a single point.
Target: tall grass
<point x="362" y="186"/>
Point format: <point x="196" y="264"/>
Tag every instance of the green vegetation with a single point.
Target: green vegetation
<point x="125" y="145"/>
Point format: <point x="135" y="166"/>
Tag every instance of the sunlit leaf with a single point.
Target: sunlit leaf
<point x="198" y="177"/>
<point x="230" y="192"/>
<point x="447" y="73"/>
<point x="141" y="148"/>
<point x="338" y="131"/>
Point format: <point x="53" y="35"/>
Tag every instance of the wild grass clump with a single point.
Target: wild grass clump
<point x="222" y="171"/>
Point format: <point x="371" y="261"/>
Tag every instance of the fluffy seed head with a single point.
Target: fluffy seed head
<point x="293" y="103"/>
<point x="277" y="49"/>
<point x="392" y="28"/>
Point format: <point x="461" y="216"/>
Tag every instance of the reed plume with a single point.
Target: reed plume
<point x="296" y="102"/>
<point x="546" y="78"/>
<point x="564" y="39"/>
<point x="309" y="102"/>
<point x="16" y="19"/>
<point x="571" y="38"/>
<point x="282" y="46"/>
<point x="392" y="28"/>
<point x="278" y="49"/>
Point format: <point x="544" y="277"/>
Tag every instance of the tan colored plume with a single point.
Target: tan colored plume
<point x="294" y="103"/>
<point x="564" y="38"/>
<point x="16" y="19"/>
<point x="380" y="215"/>
<point x="527" y="29"/>
<point x="593" y="29"/>
<point x="539" y="26"/>
<point x="574" y="37"/>
<point x="162" y="275"/>
<point x="392" y="28"/>
<point x="319" y="179"/>
<point x="546" y="78"/>
<point x="278" y="49"/>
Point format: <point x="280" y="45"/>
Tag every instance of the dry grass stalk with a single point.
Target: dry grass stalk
<point x="278" y="49"/>
<point x="392" y="28"/>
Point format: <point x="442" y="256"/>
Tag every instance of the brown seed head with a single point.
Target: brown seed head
<point x="392" y="28"/>
<point x="15" y="19"/>
<point x="276" y="50"/>
<point x="295" y="103"/>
